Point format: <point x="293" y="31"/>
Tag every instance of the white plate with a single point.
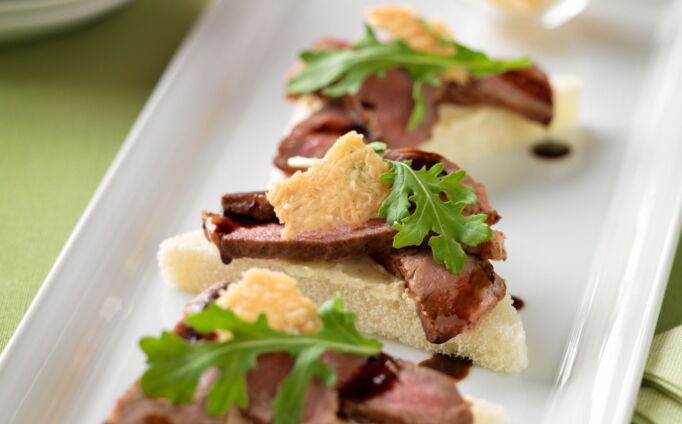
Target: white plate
<point x="590" y="239"/>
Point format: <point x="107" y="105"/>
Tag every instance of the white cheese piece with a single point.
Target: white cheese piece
<point x="274" y="294"/>
<point x="344" y="188"/>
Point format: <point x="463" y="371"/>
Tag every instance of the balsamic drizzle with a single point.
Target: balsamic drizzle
<point x="551" y="149"/>
<point x="518" y="303"/>
<point x="377" y="375"/>
<point x="453" y="366"/>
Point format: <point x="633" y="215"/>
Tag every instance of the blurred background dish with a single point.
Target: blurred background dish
<point x="548" y="13"/>
<point x="21" y="19"/>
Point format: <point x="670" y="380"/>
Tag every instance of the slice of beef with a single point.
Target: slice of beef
<point x="419" y="395"/>
<point x="195" y="305"/>
<point x="492" y="250"/>
<point x="384" y="106"/>
<point x="420" y="158"/>
<point x="200" y="301"/>
<point x="136" y="408"/>
<point x="242" y="240"/>
<point x="313" y="136"/>
<point x="321" y="402"/>
<point x="446" y="304"/>
<point x="526" y="92"/>
<point x="252" y="205"/>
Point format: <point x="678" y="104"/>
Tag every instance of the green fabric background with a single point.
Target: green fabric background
<point x="66" y="104"/>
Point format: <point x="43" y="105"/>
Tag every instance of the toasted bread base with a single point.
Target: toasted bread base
<point x="380" y="301"/>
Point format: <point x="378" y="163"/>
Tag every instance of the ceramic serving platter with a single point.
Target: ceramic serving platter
<point x="590" y="237"/>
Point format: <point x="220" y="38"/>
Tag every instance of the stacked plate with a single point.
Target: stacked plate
<point x="21" y="19"/>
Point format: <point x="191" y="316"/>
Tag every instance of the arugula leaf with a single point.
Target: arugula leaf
<point x="176" y="365"/>
<point x="422" y="190"/>
<point x="342" y="71"/>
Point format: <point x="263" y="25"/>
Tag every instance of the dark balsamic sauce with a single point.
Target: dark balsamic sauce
<point x="518" y="303"/>
<point x="551" y="149"/>
<point x="221" y="224"/>
<point x="376" y="376"/>
<point x="453" y="366"/>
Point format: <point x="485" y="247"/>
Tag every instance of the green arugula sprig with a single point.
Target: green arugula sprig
<point x="421" y="191"/>
<point x="175" y="365"/>
<point x="339" y="72"/>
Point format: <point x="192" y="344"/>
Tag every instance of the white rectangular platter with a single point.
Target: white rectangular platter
<point x="590" y="239"/>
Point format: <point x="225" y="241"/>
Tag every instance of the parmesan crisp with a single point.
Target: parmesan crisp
<point x="274" y="294"/>
<point x="400" y="22"/>
<point x="344" y="188"/>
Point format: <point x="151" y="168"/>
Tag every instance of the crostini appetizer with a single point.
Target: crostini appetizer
<point x="258" y="351"/>
<point x="404" y="234"/>
<point x="408" y="83"/>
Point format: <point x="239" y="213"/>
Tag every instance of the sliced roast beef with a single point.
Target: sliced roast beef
<point x="321" y="402"/>
<point x="526" y="92"/>
<point x="384" y="106"/>
<point x="446" y="304"/>
<point x="253" y="205"/>
<point x="313" y="136"/>
<point x="201" y="300"/>
<point x="136" y="408"/>
<point x="419" y="395"/>
<point x="237" y="239"/>
<point x="492" y="250"/>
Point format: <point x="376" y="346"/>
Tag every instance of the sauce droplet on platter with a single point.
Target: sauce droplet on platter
<point x="551" y="149"/>
<point x="454" y="366"/>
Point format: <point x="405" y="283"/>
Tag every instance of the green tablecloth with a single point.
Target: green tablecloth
<point x="66" y="104"/>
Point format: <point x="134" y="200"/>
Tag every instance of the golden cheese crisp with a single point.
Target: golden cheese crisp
<point x="274" y="294"/>
<point x="402" y="23"/>
<point x="343" y="188"/>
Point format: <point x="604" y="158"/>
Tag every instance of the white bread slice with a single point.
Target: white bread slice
<point x="380" y="301"/>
